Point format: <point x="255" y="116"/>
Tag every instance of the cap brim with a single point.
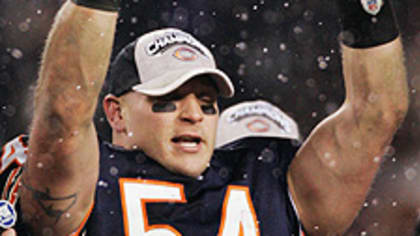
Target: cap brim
<point x="172" y="80"/>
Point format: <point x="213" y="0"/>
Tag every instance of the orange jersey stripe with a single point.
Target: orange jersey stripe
<point x="82" y="225"/>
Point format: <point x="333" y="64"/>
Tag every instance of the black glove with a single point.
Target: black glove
<point x="367" y="23"/>
<point x="107" y="5"/>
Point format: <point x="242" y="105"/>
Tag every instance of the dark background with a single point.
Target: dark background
<point x="285" y="52"/>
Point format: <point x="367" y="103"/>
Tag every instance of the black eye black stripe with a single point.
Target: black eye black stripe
<point x="163" y="107"/>
<point x="207" y="109"/>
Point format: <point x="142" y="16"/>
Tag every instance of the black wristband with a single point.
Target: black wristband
<point x="106" y="5"/>
<point x="367" y="23"/>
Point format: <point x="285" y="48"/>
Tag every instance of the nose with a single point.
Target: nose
<point x="191" y="109"/>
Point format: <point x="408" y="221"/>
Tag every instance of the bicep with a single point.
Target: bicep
<point x="331" y="173"/>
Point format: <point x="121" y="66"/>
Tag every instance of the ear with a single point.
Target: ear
<point x="112" y="108"/>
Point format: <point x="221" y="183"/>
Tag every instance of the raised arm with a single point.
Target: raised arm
<point x="332" y="172"/>
<point x="62" y="167"/>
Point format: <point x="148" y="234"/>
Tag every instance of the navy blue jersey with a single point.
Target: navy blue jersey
<point x="243" y="192"/>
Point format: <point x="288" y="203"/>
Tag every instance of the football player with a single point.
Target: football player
<point x="161" y="175"/>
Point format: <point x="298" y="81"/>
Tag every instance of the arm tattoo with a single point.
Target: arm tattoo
<point x="42" y="196"/>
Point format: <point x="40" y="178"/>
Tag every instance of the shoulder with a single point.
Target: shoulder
<point x="12" y="157"/>
<point x="255" y="143"/>
<point x="14" y="152"/>
<point x="259" y="148"/>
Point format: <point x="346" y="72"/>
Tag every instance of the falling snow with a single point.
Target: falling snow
<point x="282" y="51"/>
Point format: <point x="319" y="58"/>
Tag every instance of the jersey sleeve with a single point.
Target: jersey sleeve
<point x="12" y="157"/>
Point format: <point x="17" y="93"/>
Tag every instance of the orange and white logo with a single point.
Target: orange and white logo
<point x="258" y="126"/>
<point x="185" y="54"/>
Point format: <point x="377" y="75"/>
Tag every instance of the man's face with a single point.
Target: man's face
<point x="177" y="130"/>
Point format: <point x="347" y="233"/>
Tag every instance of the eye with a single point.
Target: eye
<point x="209" y="109"/>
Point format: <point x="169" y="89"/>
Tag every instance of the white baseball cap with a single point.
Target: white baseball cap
<point x="161" y="61"/>
<point x="255" y="119"/>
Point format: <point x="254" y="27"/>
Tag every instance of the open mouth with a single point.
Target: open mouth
<point x="187" y="141"/>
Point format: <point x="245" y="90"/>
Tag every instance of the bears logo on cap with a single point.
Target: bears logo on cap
<point x="185" y="54"/>
<point x="258" y="126"/>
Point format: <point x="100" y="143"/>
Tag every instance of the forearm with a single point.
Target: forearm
<point x="58" y="183"/>
<point x="74" y="63"/>
<point x="373" y="62"/>
<point x="376" y="87"/>
<point x="73" y="68"/>
<point x="374" y="73"/>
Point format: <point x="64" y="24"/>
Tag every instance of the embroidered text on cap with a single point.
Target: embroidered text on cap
<point x="260" y="110"/>
<point x="169" y="39"/>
